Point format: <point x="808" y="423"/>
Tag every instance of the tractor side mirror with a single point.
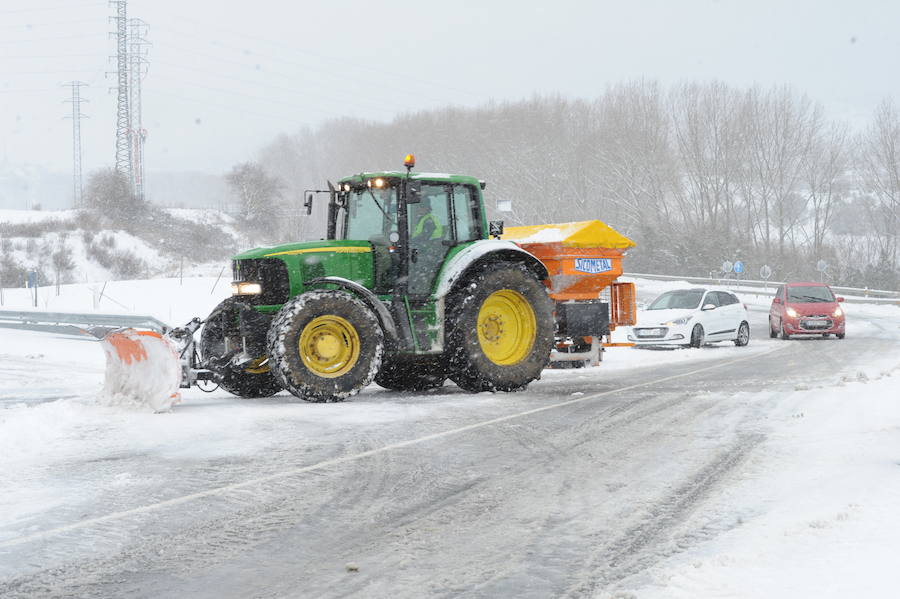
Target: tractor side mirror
<point x="777" y="300"/>
<point x="495" y="228"/>
<point x="840" y="299"/>
<point x="307" y="203"/>
<point x="413" y="191"/>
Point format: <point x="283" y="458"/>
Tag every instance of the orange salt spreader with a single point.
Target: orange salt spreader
<point x="583" y="261"/>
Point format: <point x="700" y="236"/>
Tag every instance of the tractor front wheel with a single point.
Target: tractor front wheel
<point x="325" y="345"/>
<point x="500" y="329"/>
<point x="220" y="341"/>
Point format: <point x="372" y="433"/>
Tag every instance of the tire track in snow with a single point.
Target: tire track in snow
<point x="643" y="544"/>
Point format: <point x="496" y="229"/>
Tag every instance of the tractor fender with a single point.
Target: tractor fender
<point x="370" y="299"/>
<point x="483" y="252"/>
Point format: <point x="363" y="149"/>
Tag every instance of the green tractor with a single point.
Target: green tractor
<point x="407" y="290"/>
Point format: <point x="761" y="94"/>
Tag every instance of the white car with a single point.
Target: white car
<point x="692" y="318"/>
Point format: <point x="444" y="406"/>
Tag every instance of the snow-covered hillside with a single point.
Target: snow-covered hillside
<point x="69" y="246"/>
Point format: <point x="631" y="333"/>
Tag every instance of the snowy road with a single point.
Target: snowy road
<point x="587" y="484"/>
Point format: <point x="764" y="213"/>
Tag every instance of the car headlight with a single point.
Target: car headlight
<point x="246" y="289"/>
<point x="791" y="312"/>
<point x="679" y="321"/>
<point x="838" y="312"/>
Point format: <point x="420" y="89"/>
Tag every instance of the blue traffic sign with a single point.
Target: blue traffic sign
<point x="738" y="267"/>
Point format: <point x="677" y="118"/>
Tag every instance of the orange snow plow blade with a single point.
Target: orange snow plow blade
<point x="142" y="367"/>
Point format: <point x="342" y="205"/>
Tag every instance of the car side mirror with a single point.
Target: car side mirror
<point x="777" y="300"/>
<point x="840" y="299"/>
<point x="708" y="307"/>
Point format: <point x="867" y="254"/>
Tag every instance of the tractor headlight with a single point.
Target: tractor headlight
<point x="791" y="312"/>
<point x="246" y="289"/>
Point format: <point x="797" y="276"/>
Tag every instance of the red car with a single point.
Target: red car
<point x="806" y="309"/>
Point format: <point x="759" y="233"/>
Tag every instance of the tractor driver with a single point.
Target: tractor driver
<point x="425" y="225"/>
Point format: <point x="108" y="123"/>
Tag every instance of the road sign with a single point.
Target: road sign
<point x="821" y="266"/>
<point x="765" y="271"/>
<point x="727" y="266"/>
<point x="738" y="267"/>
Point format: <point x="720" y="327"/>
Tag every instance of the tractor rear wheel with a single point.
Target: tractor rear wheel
<point x="500" y="329"/>
<point x="220" y="341"/>
<point x="408" y="375"/>
<point x="325" y="345"/>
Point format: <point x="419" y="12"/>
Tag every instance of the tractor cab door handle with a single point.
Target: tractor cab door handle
<point x="413" y="255"/>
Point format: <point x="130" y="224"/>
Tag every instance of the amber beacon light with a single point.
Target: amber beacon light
<point x="409" y="161"/>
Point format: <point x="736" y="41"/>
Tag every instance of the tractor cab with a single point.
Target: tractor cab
<point x="412" y="220"/>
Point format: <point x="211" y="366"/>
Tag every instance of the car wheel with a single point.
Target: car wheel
<point x="743" y="335"/>
<point x="784" y="333"/>
<point x="840" y="335"/>
<point x="772" y="331"/>
<point x="697" y="336"/>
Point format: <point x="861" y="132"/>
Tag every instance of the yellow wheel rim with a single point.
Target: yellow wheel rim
<point x="258" y="366"/>
<point x="506" y="327"/>
<point x="329" y="346"/>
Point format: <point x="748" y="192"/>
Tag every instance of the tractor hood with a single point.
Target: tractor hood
<point x="306" y="247"/>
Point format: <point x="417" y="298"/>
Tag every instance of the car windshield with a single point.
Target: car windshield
<point x="371" y="215"/>
<point x="809" y="295"/>
<point x="685" y="299"/>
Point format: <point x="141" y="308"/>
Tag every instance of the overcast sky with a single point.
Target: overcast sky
<point x="225" y="77"/>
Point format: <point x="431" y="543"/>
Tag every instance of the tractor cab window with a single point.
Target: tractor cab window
<point x="465" y="211"/>
<point x="371" y="215"/>
<point x="429" y="220"/>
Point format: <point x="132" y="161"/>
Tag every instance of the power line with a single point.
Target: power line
<point x="228" y="92"/>
<point x="304" y="93"/>
<point x="229" y="108"/>
<point x="55" y="7"/>
<point x="389" y="103"/>
<point x="61" y="72"/>
<point x="31" y="26"/>
<point x="51" y="39"/>
<point x="404" y="76"/>
<point x="31" y="56"/>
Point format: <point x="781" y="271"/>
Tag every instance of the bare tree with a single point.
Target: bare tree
<point x="710" y="149"/>
<point x="879" y="167"/>
<point x="780" y="128"/>
<point x="825" y="181"/>
<point x="109" y="194"/>
<point x="259" y="197"/>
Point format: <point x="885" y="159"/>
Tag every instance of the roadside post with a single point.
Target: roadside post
<point x="822" y="267"/>
<point x="738" y="270"/>
<point x="765" y="271"/>
<point x="726" y="268"/>
<point x="32" y="284"/>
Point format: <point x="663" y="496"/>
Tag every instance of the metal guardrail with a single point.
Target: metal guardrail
<point x="863" y="295"/>
<point x="74" y="323"/>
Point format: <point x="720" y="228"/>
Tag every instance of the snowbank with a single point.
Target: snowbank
<point x="817" y="513"/>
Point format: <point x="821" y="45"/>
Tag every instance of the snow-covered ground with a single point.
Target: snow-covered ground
<point x="817" y="509"/>
<point x="811" y="512"/>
